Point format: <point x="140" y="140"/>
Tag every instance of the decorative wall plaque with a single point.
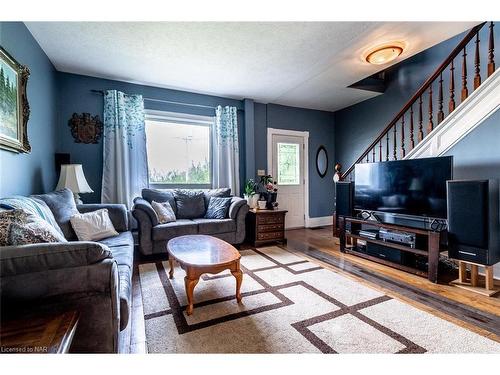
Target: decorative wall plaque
<point x="85" y="128"/>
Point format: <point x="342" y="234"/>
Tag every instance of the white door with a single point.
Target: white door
<point x="287" y="169"/>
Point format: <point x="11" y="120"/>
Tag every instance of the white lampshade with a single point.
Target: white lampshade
<point x="72" y="177"/>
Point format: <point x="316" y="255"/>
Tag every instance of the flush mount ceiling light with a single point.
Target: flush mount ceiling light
<point x="385" y="54"/>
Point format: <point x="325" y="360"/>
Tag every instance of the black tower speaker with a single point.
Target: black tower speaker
<point x="473" y="228"/>
<point x="60" y="159"/>
<point x="344" y="198"/>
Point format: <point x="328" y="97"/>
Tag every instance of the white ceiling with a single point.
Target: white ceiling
<point x="303" y="64"/>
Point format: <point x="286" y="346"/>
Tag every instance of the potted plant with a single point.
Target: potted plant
<point x="250" y="194"/>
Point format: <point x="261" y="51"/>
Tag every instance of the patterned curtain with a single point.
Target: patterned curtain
<point x="125" y="166"/>
<point x="226" y="154"/>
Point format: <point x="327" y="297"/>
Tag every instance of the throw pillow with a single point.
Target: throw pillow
<point x="93" y="226"/>
<point x="221" y="192"/>
<point x="62" y="204"/>
<point x="33" y="206"/>
<point x="36" y="230"/>
<point x="160" y="195"/>
<point x="164" y="212"/>
<point x="6" y="219"/>
<point x="218" y="208"/>
<point x="190" y="204"/>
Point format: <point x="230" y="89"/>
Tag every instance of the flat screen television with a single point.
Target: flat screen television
<point x="414" y="187"/>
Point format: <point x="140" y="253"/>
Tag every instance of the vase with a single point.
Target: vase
<point x="252" y="200"/>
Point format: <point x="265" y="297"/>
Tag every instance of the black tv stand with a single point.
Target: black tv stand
<point x="428" y="245"/>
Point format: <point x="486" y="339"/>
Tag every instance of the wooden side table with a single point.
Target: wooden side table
<point x="47" y="333"/>
<point x="265" y="226"/>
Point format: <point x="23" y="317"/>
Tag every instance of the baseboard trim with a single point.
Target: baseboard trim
<point x="321" y="221"/>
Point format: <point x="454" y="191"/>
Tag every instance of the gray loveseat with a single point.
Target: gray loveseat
<point x="153" y="236"/>
<point x="94" y="278"/>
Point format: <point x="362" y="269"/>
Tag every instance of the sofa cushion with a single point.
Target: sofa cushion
<point x="160" y="195"/>
<point x="122" y="248"/>
<point x="164" y="212"/>
<point x="35" y="230"/>
<point x="218" y="208"/>
<point x="190" y="204"/>
<point x="214" y="226"/>
<point x="33" y="206"/>
<point x="221" y="193"/>
<point x="177" y="228"/>
<point x="62" y="204"/>
<point x="6" y="220"/>
<point x="93" y="226"/>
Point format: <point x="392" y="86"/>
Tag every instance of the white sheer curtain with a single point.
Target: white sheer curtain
<point x="125" y="165"/>
<point x="226" y="153"/>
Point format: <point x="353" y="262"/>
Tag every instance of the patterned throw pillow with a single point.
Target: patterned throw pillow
<point x="6" y="219"/>
<point x="33" y="206"/>
<point x="35" y="231"/>
<point x="164" y="212"/>
<point x="218" y="208"/>
<point x="93" y="226"/>
<point x="190" y="204"/>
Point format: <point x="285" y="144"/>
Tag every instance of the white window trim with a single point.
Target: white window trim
<point x="187" y="119"/>
<point x="305" y="136"/>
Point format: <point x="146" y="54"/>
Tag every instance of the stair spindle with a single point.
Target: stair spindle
<point x="420" y="120"/>
<point x="412" y="140"/>
<point x="477" y="62"/>
<point x="451" y="104"/>
<point x="367" y="160"/>
<point x="380" y="151"/>
<point x="465" y="92"/>
<point x="491" y="51"/>
<point x="440" y="115"/>
<point x="403" y="152"/>
<point x="373" y="155"/>
<point x="395" y="151"/>
<point x="387" y="146"/>
<point x="430" y="126"/>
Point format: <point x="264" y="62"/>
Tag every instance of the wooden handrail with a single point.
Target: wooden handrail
<point x="471" y="34"/>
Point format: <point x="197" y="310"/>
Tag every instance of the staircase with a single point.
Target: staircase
<point x="418" y="130"/>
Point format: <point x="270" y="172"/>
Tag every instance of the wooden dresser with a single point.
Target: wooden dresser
<point x="264" y="226"/>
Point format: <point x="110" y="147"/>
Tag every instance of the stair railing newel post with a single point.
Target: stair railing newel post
<point x="403" y="152"/>
<point x="451" y="104"/>
<point x="465" y="91"/>
<point x="440" y="116"/>
<point x="380" y="151"/>
<point x="430" y="126"/>
<point x="387" y="146"/>
<point x="477" y="63"/>
<point x="395" y="152"/>
<point x="420" y="120"/>
<point x="412" y="140"/>
<point x="491" y="51"/>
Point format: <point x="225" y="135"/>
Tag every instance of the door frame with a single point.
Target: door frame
<point x="305" y="136"/>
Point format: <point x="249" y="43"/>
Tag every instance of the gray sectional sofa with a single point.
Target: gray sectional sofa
<point x="153" y="236"/>
<point x="94" y="278"/>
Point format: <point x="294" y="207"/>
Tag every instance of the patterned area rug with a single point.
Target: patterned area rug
<point x="290" y="305"/>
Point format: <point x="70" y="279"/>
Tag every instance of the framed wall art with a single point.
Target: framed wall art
<point x="14" y="107"/>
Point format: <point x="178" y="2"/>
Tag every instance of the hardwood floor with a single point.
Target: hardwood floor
<point x="478" y="313"/>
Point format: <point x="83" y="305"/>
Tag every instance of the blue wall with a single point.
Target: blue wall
<point x="34" y="172"/>
<point x="320" y="125"/>
<point x="75" y="96"/>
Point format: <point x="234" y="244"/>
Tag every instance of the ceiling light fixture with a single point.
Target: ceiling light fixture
<point x="383" y="55"/>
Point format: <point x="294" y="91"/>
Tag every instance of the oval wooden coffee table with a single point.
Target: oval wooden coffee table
<point x="198" y="254"/>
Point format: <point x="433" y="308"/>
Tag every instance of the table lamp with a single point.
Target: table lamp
<point x="72" y="177"/>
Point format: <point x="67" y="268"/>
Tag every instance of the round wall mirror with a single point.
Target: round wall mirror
<point x="322" y="161"/>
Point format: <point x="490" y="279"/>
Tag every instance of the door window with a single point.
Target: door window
<point x="288" y="164"/>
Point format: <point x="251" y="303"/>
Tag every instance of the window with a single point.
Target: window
<point x="179" y="149"/>
<point x="288" y="164"/>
